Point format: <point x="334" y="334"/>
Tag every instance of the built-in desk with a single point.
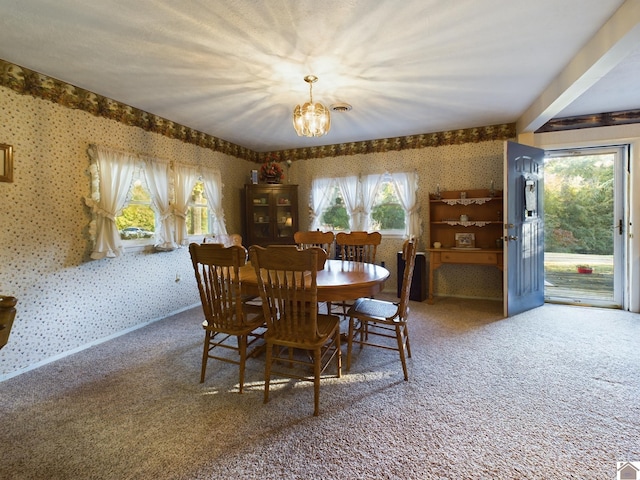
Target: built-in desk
<point x="440" y="256"/>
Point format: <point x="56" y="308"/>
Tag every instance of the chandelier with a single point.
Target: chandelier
<point x="311" y="119"/>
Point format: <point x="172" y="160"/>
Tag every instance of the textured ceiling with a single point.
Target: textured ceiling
<point x="234" y="69"/>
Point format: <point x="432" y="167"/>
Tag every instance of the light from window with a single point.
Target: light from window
<point x="387" y="213"/>
<point x="335" y="216"/>
<point x="137" y="219"/>
<point x="198" y="212"/>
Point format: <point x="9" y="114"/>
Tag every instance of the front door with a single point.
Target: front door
<point x="523" y="228"/>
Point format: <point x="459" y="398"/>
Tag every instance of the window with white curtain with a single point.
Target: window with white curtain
<point x="138" y="201"/>
<point x="137" y="220"/>
<point x="381" y="202"/>
<point x="334" y="216"/>
<point x="388" y="215"/>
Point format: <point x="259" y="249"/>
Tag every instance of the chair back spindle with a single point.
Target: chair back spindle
<point x="358" y="246"/>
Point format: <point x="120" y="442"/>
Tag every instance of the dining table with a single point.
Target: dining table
<point x="338" y="281"/>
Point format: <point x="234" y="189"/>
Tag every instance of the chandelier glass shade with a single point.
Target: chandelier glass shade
<point x="311" y="119"/>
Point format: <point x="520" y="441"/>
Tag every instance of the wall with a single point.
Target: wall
<point x="65" y="300"/>
<point x="453" y="167"/>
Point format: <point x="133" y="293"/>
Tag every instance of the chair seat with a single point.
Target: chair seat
<point x="375" y="309"/>
<point x="251" y="323"/>
<point x="326" y="326"/>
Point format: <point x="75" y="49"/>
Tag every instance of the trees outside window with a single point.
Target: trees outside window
<point x="578" y="204"/>
<point x="137" y="218"/>
<point x="387" y="213"/>
<point x="198" y="213"/>
<point x="335" y="216"/>
<point x="140" y="201"/>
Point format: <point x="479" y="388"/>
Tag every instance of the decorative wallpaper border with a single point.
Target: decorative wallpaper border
<point x="28" y="82"/>
<point x="608" y="119"/>
<point x="452" y="137"/>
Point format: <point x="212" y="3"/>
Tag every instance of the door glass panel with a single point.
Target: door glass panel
<point x="260" y="202"/>
<point x="583" y="221"/>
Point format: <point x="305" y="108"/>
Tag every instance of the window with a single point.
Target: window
<point x="335" y="216"/>
<point x="387" y="215"/>
<point x="386" y="203"/>
<point x="147" y="201"/>
<point x="136" y="221"/>
<point x="198" y="213"/>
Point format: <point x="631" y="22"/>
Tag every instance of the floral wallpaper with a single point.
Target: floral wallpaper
<point x="65" y="300"/>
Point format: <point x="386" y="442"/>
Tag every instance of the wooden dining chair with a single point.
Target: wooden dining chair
<point x="315" y="238"/>
<point x="382" y="320"/>
<point x="228" y="240"/>
<point x="287" y="284"/>
<point x="217" y="275"/>
<point x="358" y="246"/>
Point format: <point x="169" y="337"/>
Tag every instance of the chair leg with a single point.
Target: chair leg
<point x="399" y="337"/>
<point x="338" y="353"/>
<point x="242" y="347"/>
<point x="317" y="357"/>
<point x="350" y="342"/>
<point x="406" y="340"/>
<point x="364" y="332"/>
<point x="267" y="371"/>
<point x="205" y="354"/>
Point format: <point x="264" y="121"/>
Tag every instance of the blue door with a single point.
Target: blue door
<point x="523" y="228"/>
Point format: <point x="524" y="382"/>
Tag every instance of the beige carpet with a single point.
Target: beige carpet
<point x="552" y="393"/>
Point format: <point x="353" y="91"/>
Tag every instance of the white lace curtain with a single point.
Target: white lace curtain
<point x="349" y="188"/>
<point x="407" y="187"/>
<point x="185" y="178"/>
<point x="157" y="173"/>
<point x="112" y="173"/>
<point x="369" y="189"/>
<point x="321" y="191"/>
<point x="212" y="180"/>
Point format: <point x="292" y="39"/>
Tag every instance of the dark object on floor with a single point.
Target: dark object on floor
<point x="7" y="315"/>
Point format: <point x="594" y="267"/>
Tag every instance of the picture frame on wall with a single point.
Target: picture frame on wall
<point x="6" y="163"/>
<point x="465" y="240"/>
